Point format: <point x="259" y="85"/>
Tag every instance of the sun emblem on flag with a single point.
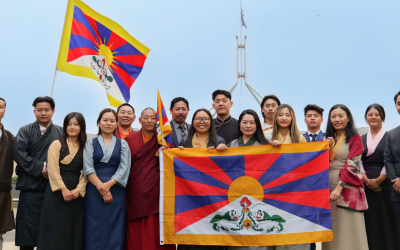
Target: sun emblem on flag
<point x="104" y="50"/>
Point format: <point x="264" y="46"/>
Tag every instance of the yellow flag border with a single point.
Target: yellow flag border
<point x="167" y="203"/>
<point x="82" y="71"/>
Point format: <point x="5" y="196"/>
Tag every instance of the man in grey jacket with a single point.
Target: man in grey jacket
<point x="392" y="162"/>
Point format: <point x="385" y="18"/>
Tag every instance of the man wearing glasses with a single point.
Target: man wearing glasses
<point x="268" y="107"/>
<point x="225" y="124"/>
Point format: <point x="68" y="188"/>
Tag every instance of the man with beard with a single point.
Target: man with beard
<point x="143" y="189"/>
<point x="179" y="111"/>
<point x="30" y="153"/>
<point x="6" y="170"/>
<point x="126" y="116"/>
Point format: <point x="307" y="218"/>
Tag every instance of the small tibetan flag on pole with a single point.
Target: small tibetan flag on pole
<point x="243" y="23"/>
<point x="96" y="47"/>
<point x="164" y="129"/>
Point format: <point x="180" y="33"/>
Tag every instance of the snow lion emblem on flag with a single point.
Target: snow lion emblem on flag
<point x="259" y="221"/>
<point x="247" y="196"/>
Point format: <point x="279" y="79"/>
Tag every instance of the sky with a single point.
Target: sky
<point x="305" y="52"/>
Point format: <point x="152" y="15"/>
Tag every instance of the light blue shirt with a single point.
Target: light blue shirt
<point x="124" y="168"/>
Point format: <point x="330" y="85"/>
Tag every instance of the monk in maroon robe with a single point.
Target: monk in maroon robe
<point x="143" y="189"/>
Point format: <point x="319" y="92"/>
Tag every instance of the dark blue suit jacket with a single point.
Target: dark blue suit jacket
<point x="320" y="136"/>
<point x="175" y="141"/>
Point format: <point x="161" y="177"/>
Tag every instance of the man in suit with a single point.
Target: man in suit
<point x="392" y="162"/>
<point x="179" y="110"/>
<point x="313" y="119"/>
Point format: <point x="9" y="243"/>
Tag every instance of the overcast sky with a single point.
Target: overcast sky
<point x="320" y="52"/>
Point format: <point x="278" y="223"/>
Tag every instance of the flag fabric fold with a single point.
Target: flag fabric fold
<point x="243" y="23"/>
<point x="96" y="47"/>
<point x="247" y="196"/>
<point x="164" y="129"/>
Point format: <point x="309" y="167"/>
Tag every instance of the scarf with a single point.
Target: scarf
<point x="333" y="152"/>
<point x="196" y="143"/>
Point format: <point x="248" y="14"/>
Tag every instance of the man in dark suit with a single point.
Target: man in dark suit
<point x="179" y="110"/>
<point x="392" y="161"/>
<point x="313" y="119"/>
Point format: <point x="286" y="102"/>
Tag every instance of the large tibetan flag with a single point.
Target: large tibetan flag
<point x="164" y="129"/>
<point x="96" y="47"/>
<point x="247" y="196"/>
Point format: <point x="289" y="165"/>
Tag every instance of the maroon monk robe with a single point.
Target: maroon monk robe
<point x="142" y="195"/>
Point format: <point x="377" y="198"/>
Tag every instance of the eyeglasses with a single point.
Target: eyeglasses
<point x="204" y="119"/>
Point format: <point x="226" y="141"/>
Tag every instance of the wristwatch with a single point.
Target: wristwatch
<point x="341" y="183"/>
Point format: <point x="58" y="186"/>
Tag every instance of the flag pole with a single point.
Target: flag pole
<point x="62" y="33"/>
<point x="241" y="55"/>
<point x="54" y="79"/>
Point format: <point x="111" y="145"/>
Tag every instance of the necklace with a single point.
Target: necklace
<point x="74" y="144"/>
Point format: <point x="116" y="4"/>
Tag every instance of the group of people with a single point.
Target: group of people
<point x="103" y="193"/>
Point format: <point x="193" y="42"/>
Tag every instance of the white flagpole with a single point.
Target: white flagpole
<point x="241" y="55"/>
<point x="62" y="33"/>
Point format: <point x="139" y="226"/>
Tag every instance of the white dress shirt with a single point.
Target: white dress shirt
<point x="310" y="134"/>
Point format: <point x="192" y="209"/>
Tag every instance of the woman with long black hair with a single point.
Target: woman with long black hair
<point x="250" y="130"/>
<point x="61" y="225"/>
<point x="202" y="133"/>
<point x="250" y="134"/>
<point x="348" y="200"/>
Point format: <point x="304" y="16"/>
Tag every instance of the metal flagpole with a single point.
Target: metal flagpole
<point x="62" y="33"/>
<point x="240" y="74"/>
<point x="241" y="54"/>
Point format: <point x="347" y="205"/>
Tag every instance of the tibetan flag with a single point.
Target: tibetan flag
<point x="164" y="129"/>
<point x="247" y="196"/>
<point x="96" y="47"/>
<point x="242" y="15"/>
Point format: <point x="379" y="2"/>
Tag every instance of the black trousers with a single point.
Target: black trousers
<point x="26" y="248"/>
<point x="397" y="212"/>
